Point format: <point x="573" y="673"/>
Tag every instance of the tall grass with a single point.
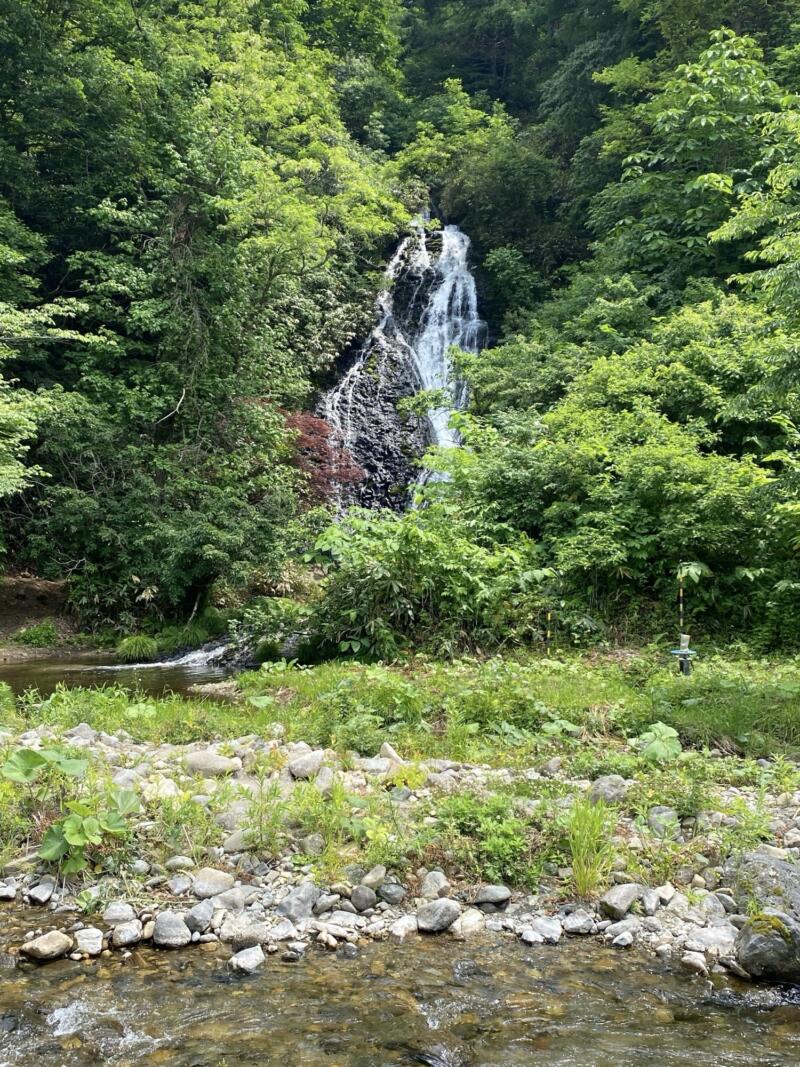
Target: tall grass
<point x="588" y="830"/>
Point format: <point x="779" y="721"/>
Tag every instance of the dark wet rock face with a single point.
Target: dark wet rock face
<point x="429" y="304"/>
<point x="768" y="947"/>
<point x="766" y="880"/>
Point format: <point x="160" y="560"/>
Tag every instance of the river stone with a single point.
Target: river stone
<point x="611" y="789"/>
<point x="248" y="960"/>
<point x="362" y="898"/>
<point x="768" y="947"/>
<point x="437" y="915"/>
<point x="695" y="962"/>
<point x="209" y="882"/>
<point x="118" y="912"/>
<point x="772" y="883"/>
<point x="242" y="933"/>
<point x="298" y="904"/>
<point x="469" y="923"/>
<point x="617" y="902"/>
<point x="49" y="946"/>
<point x="40" y="894"/>
<point x="7" y="892"/>
<point x="375" y="877"/>
<point x="324" y="780"/>
<point x="232" y="900"/>
<point x="179" y="884"/>
<point x="307" y="765"/>
<point x="171" y="931"/>
<point x="550" y="930"/>
<point x="313" y="844"/>
<point x="651" y="901"/>
<point x="392" y="893"/>
<point x="89" y="941"/>
<point x="578" y="922"/>
<point x="238" y="841"/>
<point x="129" y="933"/>
<point x="198" y="918"/>
<point x="179" y="863"/>
<point x="664" y="822"/>
<point x="497" y="895"/>
<point x="208" y="763"/>
<point x="434" y="884"/>
<point x="402" y="927"/>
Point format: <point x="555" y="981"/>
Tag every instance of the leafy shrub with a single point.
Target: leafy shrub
<point x="422" y="576"/>
<point x="487" y="837"/>
<point x="137" y="649"/>
<point x="659" y="744"/>
<point x="70" y="841"/>
<point x="41" y="635"/>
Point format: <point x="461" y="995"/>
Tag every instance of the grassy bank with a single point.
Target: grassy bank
<point x="689" y="745"/>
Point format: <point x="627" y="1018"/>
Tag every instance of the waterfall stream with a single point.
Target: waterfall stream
<point x="429" y="305"/>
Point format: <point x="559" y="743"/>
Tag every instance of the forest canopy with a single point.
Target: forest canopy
<point x="196" y="204"/>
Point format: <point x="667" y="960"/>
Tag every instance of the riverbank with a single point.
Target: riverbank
<point x="182" y="827"/>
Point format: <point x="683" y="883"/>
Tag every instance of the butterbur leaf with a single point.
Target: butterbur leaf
<point x="73" y="829"/>
<point x="125" y="802"/>
<point x="76" y="862"/>
<point x="23" y="766"/>
<point x="54" y="846"/>
<point x="261" y="701"/>
<point x="92" y="830"/>
<point x="112" y="822"/>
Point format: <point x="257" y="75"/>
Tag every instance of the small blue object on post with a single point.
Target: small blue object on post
<point x="684" y="654"/>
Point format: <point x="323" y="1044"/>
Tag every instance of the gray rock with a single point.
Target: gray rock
<point x="651" y="901"/>
<point x="611" y="789"/>
<point x="578" y="922"/>
<point x="769" y="881"/>
<point x="40" y="894"/>
<point x="298" y="904"/>
<point x="392" y="893"/>
<point x="118" y="912"/>
<point x="210" y="882"/>
<point x="695" y="962"/>
<point x="617" y="902"/>
<point x="664" y="822"/>
<point x="7" y="892"/>
<point x="768" y="947"/>
<point x="179" y="884"/>
<point x="179" y="863"/>
<point x="374" y="878"/>
<point x="239" y="841"/>
<point x="469" y="923"/>
<point x="49" y="946"/>
<point x="211" y="764"/>
<point x="241" y="932"/>
<point x="127" y="934"/>
<point x="324" y="780"/>
<point x="171" y="931"/>
<point x="434" y="884"/>
<point x="437" y="915"/>
<point x="232" y="900"/>
<point x="623" y="940"/>
<point x="198" y="918"/>
<point x="497" y="895"/>
<point x="89" y="941"/>
<point x="248" y="960"/>
<point x="402" y="927"/>
<point x="363" y="898"/>
<point x="550" y="930"/>
<point x="307" y="765"/>
<point x="313" y="844"/>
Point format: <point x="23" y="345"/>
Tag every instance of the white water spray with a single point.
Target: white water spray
<point x="440" y="311"/>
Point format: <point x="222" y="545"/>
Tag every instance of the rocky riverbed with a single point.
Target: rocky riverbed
<point x="740" y="916"/>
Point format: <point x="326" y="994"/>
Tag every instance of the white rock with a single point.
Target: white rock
<point x="248" y="960"/>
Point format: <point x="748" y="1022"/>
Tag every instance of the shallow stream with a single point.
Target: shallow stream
<point x="492" y="1003"/>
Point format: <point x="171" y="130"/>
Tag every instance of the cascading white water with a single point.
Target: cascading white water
<point x="430" y="277"/>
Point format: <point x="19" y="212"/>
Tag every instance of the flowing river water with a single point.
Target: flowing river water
<point x="492" y="1003"/>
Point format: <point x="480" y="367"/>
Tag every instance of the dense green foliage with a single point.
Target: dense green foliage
<point x="194" y="206"/>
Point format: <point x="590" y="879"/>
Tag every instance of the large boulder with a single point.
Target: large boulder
<point x="298" y="904"/>
<point x="619" y="900"/>
<point x="768" y="947"/>
<point x="49" y="946"/>
<point x="438" y="915"/>
<point x="761" y="878"/>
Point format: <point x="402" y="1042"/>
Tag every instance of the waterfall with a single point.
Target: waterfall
<point x="429" y="304"/>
